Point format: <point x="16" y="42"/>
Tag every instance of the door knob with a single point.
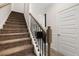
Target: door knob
<point x="58" y="35"/>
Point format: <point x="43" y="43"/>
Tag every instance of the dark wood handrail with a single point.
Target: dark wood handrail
<point x="38" y="23"/>
<point x="3" y="5"/>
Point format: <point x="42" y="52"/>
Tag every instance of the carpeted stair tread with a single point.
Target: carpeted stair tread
<point x="12" y="31"/>
<point x="16" y="50"/>
<point x="20" y="23"/>
<point x="9" y="44"/>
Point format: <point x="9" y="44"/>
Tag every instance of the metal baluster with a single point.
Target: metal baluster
<point x="45" y="48"/>
<point x="42" y="47"/>
<point x="40" y="44"/>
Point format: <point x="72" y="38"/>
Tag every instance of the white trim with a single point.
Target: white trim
<point x="5" y="17"/>
<point x="33" y="42"/>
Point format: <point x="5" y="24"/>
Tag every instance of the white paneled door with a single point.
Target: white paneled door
<point x="68" y="30"/>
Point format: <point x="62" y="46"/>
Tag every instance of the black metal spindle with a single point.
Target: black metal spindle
<point x="45" y="45"/>
<point x="42" y="47"/>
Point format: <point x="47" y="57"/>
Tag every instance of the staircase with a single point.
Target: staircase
<point x="14" y="37"/>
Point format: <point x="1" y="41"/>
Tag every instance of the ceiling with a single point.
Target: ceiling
<point x="40" y="7"/>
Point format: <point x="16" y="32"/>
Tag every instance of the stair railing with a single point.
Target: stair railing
<point x="43" y="37"/>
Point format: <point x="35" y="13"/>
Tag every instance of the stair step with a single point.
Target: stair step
<point x="16" y="13"/>
<point x="16" y="16"/>
<point x="13" y="36"/>
<point x="14" y="44"/>
<point x="15" y="29"/>
<point x="20" y="23"/>
<point x="23" y="21"/>
<point x="15" y="50"/>
<point x="5" y="44"/>
<point x="13" y="40"/>
<point x="16" y="20"/>
<point x="15" y="26"/>
<point x="12" y="31"/>
<point x="24" y="53"/>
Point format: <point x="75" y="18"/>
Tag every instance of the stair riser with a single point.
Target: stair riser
<point x="11" y="16"/>
<point x="16" y="29"/>
<point x="16" y="16"/>
<point x="15" y="26"/>
<point x="15" y="44"/>
<point x="19" y="17"/>
<point x="8" y="37"/>
<point x="13" y="31"/>
<point x="17" y="23"/>
<point x="15" y="20"/>
<point x="23" y="53"/>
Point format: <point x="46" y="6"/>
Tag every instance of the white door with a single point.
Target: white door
<point x="68" y="30"/>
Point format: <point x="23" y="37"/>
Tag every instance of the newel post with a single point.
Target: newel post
<point x="49" y="39"/>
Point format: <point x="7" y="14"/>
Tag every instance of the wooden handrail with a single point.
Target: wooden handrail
<point x="3" y="5"/>
<point x="38" y="23"/>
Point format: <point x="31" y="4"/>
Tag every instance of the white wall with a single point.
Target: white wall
<point x="26" y="13"/>
<point x="64" y="20"/>
<point x="38" y="10"/>
<point x="18" y="7"/>
<point x="4" y="13"/>
<point x="51" y="21"/>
